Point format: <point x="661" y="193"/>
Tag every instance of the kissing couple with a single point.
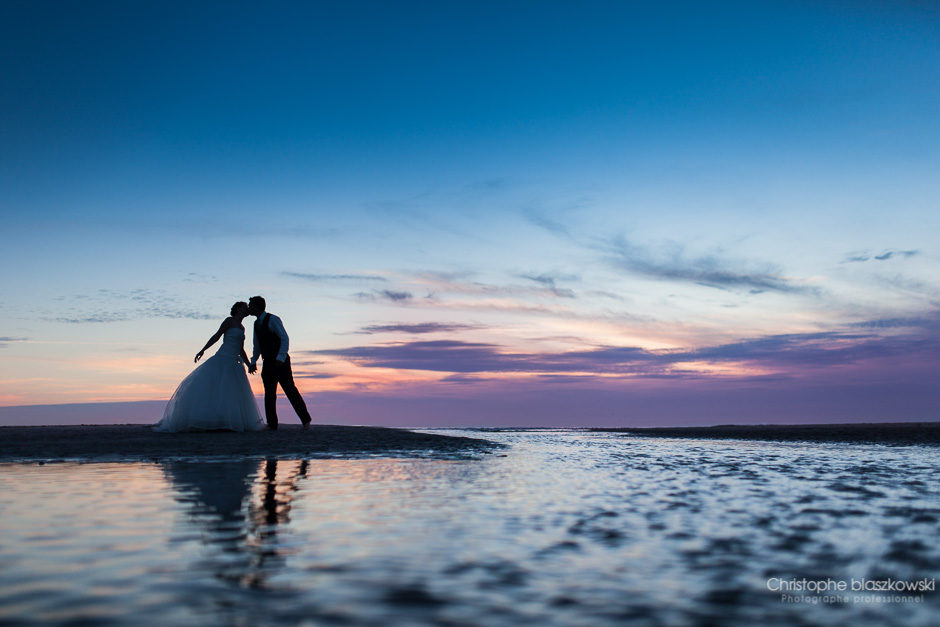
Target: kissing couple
<point x="217" y="396"/>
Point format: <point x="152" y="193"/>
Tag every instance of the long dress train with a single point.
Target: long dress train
<point x="216" y="395"/>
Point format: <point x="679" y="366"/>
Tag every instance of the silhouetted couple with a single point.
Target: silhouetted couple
<point x="217" y="395"/>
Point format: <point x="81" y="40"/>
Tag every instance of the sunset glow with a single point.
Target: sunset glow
<point x="603" y="213"/>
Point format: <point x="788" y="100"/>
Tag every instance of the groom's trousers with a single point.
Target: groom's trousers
<point x="273" y="373"/>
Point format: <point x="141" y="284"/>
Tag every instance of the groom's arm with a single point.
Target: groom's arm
<point x="255" y="350"/>
<point x="278" y="327"/>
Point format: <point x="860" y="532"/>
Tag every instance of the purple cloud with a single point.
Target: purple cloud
<point x="417" y="329"/>
<point x="784" y="353"/>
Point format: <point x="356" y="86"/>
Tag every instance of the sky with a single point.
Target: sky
<point x="477" y="213"/>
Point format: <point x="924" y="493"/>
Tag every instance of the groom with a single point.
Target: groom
<point x="271" y="342"/>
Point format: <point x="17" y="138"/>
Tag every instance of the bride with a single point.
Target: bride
<point x="216" y="395"/>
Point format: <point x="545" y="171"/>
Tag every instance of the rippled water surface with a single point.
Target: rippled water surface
<point x="561" y="527"/>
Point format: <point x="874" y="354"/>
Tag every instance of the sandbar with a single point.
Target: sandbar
<point x="140" y="442"/>
<point x="894" y="433"/>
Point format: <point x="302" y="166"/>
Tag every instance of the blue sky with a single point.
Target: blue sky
<point x="540" y="184"/>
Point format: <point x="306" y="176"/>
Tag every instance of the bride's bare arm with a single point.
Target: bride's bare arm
<point x="215" y="338"/>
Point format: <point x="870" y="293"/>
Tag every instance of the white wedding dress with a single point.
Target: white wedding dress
<point x="216" y="395"/>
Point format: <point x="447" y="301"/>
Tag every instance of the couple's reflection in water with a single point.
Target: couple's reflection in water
<point x="239" y="508"/>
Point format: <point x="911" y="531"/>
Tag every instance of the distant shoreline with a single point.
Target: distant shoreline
<point x="898" y="433"/>
<point x="141" y="443"/>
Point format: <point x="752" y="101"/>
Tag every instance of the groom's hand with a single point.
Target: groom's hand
<point x="252" y="368"/>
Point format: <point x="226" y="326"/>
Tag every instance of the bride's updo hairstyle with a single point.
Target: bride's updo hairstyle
<point x="238" y="306"/>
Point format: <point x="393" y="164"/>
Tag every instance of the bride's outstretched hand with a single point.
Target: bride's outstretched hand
<point x="198" y="357"/>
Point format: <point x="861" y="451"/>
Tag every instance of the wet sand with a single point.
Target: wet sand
<point x="136" y="442"/>
<point x="898" y="433"/>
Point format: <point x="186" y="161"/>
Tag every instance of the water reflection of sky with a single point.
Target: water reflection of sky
<point x="565" y="528"/>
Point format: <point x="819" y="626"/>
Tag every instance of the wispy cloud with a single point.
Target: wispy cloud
<point x="458" y="291"/>
<point x="892" y="253"/>
<point x="461" y="283"/>
<point x="416" y="329"/>
<point x="101" y="317"/>
<point x="906" y="285"/>
<point x="140" y="314"/>
<point x="395" y="296"/>
<point x="323" y="278"/>
<point x="919" y="322"/>
<point x="489" y="185"/>
<point x="6" y="341"/>
<point x="466" y="293"/>
<point x="670" y="262"/>
<point x="543" y="222"/>
<point x="884" y="256"/>
<point x="437" y="355"/>
<point x="199" y="277"/>
<point x="246" y="229"/>
<point x="386" y="295"/>
<point x="107" y="305"/>
<point x="548" y="281"/>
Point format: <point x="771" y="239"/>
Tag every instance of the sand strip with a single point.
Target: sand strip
<point x="898" y="433"/>
<point x="136" y="442"/>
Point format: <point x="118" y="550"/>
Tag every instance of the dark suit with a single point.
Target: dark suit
<point x="274" y="372"/>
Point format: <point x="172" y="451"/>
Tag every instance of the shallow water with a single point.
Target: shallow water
<point x="561" y="527"/>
